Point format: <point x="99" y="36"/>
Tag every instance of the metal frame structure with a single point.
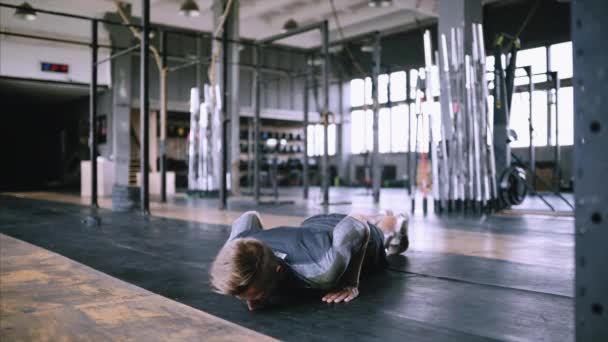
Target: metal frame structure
<point x="589" y="32"/>
<point x="144" y="98"/>
<point x="94" y="45"/>
<point x="260" y="44"/>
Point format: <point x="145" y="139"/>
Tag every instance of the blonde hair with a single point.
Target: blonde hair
<point x="239" y="264"/>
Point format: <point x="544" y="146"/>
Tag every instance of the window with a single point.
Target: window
<point x="361" y="131"/>
<point x="520" y="111"/>
<point x="399" y="128"/>
<point x="561" y="59"/>
<point x="357" y="91"/>
<point x="384" y="130"/>
<point x="398" y="86"/>
<point x="537" y="58"/>
<point x="566" y="116"/>
<point x="382" y="88"/>
<point x="316" y="141"/>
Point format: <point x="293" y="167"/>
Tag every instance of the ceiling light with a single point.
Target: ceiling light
<point x="290" y="24"/>
<point x="380" y="3"/>
<point x="25" y="12"/>
<point x="335" y="49"/>
<point x="315" y="62"/>
<point x="367" y="48"/>
<point x="189" y="8"/>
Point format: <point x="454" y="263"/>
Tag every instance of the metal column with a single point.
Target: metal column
<point x="408" y="102"/>
<point x="163" y="117"/>
<point x="325" y="80"/>
<point x="93" y="114"/>
<point x="305" y="177"/>
<point x="225" y="121"/>
<point x="557" y="172"/>
<point x="531" y="148"/>
<point x="145" y="106"/>
<point x="589" y="32"/>
<point x="376" y="169"/>
<point x="257" y="59"/>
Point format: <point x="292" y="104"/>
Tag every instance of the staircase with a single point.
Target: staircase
<point x="135" y="164"/>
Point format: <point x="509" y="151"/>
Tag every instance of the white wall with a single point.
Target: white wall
<point x="22" y="57"/>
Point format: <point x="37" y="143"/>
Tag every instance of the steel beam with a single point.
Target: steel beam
<point x="145" y="107"/>
<point x="119" y="54"/>
<point x="225" y="120"/>
<point x="293" y="32"/>
<point x="257" y="56"/>
<point x="325" y="85"/>
<point x="376" y="167"/>
<point x="589" y="32"/>
<point x="163" y="117"/>
<point x="305" y="176"/>
<point x="93" y="113"/>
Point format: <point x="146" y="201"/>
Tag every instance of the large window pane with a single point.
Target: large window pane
<point x="331" y="139"/>
<point x="361" y="131"/>
<point x="357" y="131"/>
<point x="357" y="92"/>
<point x="318" y="140"/>
<point x="383" y="88"/>
<point x="310" y="144"/>
<point x="566" y="116"/>
<point x="539" y="118"/>
<point x="384" y="132"/>
<point x="399" y="128"/>
<point x="537" y="58"/>
<point x="398" y="86"/>
<point x="369" y="131"/>
<point x="368" y="91"/>
<point x="561" y="59"/>
<point x="519" y="118"/>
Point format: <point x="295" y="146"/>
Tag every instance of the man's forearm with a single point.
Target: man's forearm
<point x="353" y="271"/>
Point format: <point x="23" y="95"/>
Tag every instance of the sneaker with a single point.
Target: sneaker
<point x="399" y="242"/>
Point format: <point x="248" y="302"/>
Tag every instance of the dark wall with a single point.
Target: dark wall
<point x="41" y="143"/>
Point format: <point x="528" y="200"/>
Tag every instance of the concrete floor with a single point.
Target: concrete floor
<point x="506" y="277"/>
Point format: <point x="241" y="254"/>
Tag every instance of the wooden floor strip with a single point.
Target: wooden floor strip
<point x="47" y="297"/>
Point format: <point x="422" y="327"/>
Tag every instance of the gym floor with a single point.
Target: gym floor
<point x="505" y="277"/>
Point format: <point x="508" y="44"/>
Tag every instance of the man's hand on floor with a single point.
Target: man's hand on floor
<point x="346" y="294"/>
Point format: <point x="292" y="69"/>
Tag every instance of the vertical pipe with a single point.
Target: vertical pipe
<point x="257" y="59"/>
<point x="325" y="161"/>
<point x="340" y="129"/>
<point x="93" y="114"/>
<point x="558" y="171"/>
<point x="250" y="155"/>
<point x="376" y="142"/>
<point x="145" y="106"/>
<point x="531" y="151"/>
<point x="409" y="130"/>
<point x="163" y="117"/>
<point x="305" y="176"/>
<point x="225" y="121"/>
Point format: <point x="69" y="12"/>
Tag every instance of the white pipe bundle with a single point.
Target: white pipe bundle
<point x="463" y="160"/>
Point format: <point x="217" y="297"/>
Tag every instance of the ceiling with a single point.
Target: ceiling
<point x="258" y="18"/>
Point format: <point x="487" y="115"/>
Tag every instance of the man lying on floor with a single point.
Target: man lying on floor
<point x="327" y="253"/>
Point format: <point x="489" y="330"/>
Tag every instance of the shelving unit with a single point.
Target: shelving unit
<point x="290" y="136"/>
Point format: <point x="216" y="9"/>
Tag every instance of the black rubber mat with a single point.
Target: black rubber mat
<point x="446" y="298"/>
